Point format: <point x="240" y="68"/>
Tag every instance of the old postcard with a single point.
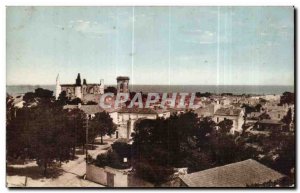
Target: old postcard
<point x="150" y="97"/>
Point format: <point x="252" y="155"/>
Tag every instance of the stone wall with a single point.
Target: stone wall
<point x="121" y="178"/>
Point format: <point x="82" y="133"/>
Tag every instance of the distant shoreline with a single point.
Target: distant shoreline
<point x="214" y="89"/>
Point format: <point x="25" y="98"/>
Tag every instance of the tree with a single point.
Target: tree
<point x="111" y="159"/>
<point x="287" y="119"/>
<point x="110" y="89"/>
<point x="160" y="145"/>
<point x="15" y="130"/>
<point x="248" y="109"/>
<point x="206" y="127"/>
<point x="152" y="172"/>
<point x="50" y="138"/>
<point x="206" y="94"/>
<point x="123" y="149"/>
<point x="102" y="124"/>
<point x="76" y="119"/>
<point x="10" y="109"/>
<point x="40" y="95"/>
<point x="280" y="154"/>
<point x="63" y="99"/>
<point x="225" y="126"/>
<point x="258" y="107"/>
<point x="91" y="103"/>
<point x="40" y="132"/>
<point x="75" y="101"/>
<point x="287" y="98"/>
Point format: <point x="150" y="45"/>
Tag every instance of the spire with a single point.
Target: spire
<point x="78" y="80"/>
<point x="57" y="78"/>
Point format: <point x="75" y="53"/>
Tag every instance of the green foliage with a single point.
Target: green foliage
<point x="40" y="95"/>
<point x="76" y="120"/>
<point x="62" y="98"/>
<point x="122" y="149"/>
<point x="102" y="124"/>
<point x="91" y="103"/>
<point x="42" y="132"/>
<point x="249" y="109"/>
<point x="287" y="98"/>
<point x="75" y="101"/>
<point x="152" y="172"/>
<point x="205" y="131"/>
<point x="206" y="94"/>
<point x="110" y="89"/>
<point x="287" y="119"/>
<point x="225" y="126"/>
<point x="111" y="159"/>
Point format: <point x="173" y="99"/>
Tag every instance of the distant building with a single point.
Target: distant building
<point x="277" y="114"/>
<point x="127" y="117"/>
<point x="234" y="114"/>
<point x="81" y="90"/>
<point x="269" y="124"/>
<point x="239" y="174"/>
<point x="89" y="110"/>
<point x="123" y="84"/>
<point x="207" y="111"/>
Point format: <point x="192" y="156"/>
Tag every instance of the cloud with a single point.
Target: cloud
<point x="90" y="28"/>
<point x="199" y="36"/>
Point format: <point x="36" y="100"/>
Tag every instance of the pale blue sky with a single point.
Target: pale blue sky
<point x="151" y="45"/>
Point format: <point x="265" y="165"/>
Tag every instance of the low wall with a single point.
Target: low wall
<point x="121" y="178"/>
<point x="96" y="174"/>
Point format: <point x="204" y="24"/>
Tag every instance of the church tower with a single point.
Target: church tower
<point x="101" y="88"/>
<point x="78" y="93"/>
<point x="123" y="84"/>
<point x="57" y="87"/>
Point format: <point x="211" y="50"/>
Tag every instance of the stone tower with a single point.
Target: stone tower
<point x="78" y="93"/>
<point x="57" y="87"/>
<point x="123" y="84"/>
<point x="101" y="88"/>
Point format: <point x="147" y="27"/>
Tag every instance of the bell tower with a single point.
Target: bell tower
<point x="57" y="87"/>
<point x="78" y="92"/>
<point x="123" y="84"/>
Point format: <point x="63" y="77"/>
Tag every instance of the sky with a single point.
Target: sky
<point x="151" y="45"/>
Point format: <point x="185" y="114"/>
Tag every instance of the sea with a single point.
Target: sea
<point x="216" y="89"/>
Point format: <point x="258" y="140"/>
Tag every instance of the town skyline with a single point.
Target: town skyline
<point x="223" y="45"/>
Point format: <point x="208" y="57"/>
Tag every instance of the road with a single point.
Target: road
<point x="72" y="174"/>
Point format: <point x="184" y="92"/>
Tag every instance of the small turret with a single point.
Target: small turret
<point x="57" y="87"/>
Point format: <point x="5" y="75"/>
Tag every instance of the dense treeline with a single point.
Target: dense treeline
<point x="43" y="131"/>
<point x="185" y="141"/>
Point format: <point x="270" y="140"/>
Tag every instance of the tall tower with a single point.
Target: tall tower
<point x="101" y="87"/>
<point x="123" y="84"/>
<point x="57" y="87"/>
<point x="78" y="93"/>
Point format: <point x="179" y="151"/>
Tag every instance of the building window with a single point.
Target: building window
<point x="278" y="116"/>
<point x="217" y="119"/>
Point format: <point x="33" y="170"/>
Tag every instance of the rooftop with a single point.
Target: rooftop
<point x="122" y="78"/>
<point x="88" y="109"/>
<point x="270" y="121"/>
<point x="239" y="174"/>
<point x="138" y="110"/>
<point x="228" y="112"/>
